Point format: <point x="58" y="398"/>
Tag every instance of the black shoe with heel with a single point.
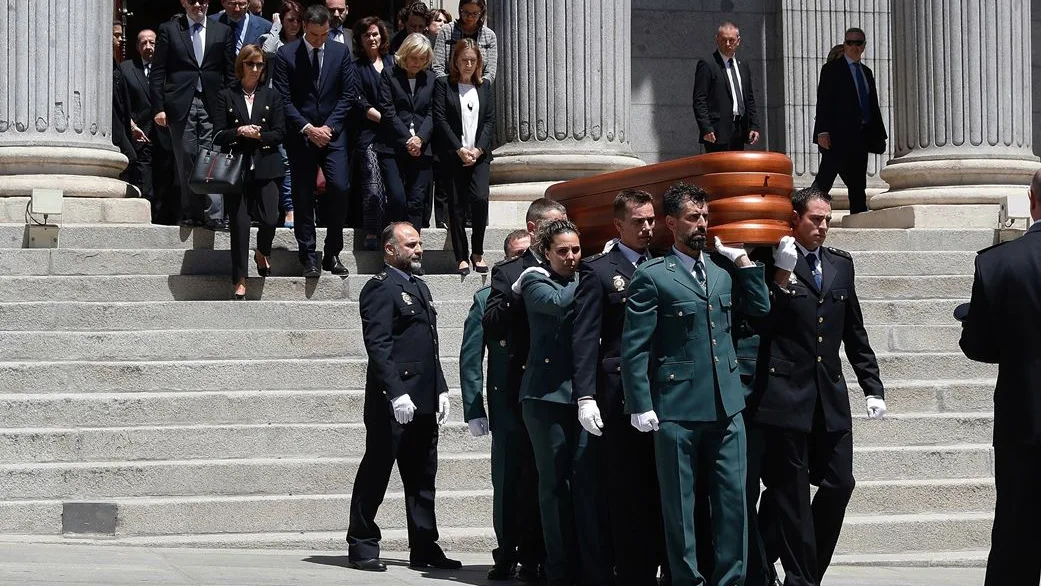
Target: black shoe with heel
<point x="478" y="268"/>
<point x="262" y="271"/>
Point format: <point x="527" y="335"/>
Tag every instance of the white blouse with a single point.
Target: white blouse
<point x="470" y="105"/>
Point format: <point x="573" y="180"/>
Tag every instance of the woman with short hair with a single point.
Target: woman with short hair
<point x="470" y="25"/>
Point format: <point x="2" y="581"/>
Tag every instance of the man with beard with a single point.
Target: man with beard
<point x="338" y="9"/>
<point x="681" y="380"/>
<point x="628" y="474"/>
<point x="406" y="399"/>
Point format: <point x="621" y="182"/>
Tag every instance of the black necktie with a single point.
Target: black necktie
<point x="315" y="71"/>
<point x="641" y="260"/>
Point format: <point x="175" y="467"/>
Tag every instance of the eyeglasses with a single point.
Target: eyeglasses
<point x="856" y="42"/>
<point x="471" y="13"/>
<point x="198" y="2"/>
<point x="254" y="65"/>
<point x="468" y="61"/>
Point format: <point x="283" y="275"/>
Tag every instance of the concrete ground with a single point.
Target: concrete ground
<point x="76" y="564"/>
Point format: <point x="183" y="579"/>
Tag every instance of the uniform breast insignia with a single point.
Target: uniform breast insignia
<point x="618" y="282"/>
<point x="406" y="298"/>
<point x="791" y="279"/>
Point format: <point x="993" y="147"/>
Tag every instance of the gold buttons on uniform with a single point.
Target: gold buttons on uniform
<point x="716" y="358"/>
<point x="547" y="361"/>
<point x="772" y="369"/>
<point x="619" y="369"/>
<point x="679" y="313"/>
<point x="710" y="307"/>
<point x="820" y="320"/>
<point x="818" y="359"/>
<point x="502" y="343"/>
<point x="406" y="373"/>
<point x="713" y="342"/>
<point x="820" y="338"/>
<point x="672" y="376"/>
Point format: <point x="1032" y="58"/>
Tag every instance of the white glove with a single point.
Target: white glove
<point x="478" y="427"/>
<point x="733" y="253"/>
<point x="404" y="409"/>
<point x="785" y="255"/>
<point x="276" y="24"/>
<point x="517" y="284"/>
<point x="876" y="407"/>
<point x="443" y="405"/>
<point x="589" y="416"/>
<point x="647" y="421"/>
<point x="609" y="245"/>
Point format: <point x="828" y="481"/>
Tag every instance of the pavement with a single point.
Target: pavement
<point x="64" y="564"/>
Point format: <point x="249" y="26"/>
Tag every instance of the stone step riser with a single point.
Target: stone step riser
<point x="329" y="512"/>
<point x="929" y="534"/>
<point x="913" y="287"/>
<point x="927" y="367"/>
<point x="348" y="439"/>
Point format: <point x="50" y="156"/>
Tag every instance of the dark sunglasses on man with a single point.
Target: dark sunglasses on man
<point x="856" y="42"/>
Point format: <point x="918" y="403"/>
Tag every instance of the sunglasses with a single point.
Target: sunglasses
<point x="198" y="2"/>
<point x="470" y="14"/>
<point x="856" y="42"/>
<point x="255" y="65"/>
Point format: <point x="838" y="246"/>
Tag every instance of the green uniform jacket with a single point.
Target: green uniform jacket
<point x="471" y="359"/>
<point x="551" y="313"/>
<point x="678" y="356"/>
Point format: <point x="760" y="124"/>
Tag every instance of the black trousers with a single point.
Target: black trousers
<point x="1015" y="540"/>
<point x="806" y="533"/>
<point x="439" y="202"/>
<point x="468" y="190"/>
<point x="851" y="165"/>
<point x="187" y="136"/>
<point x="518" y="527"/>
<point x="258" y="199"/>
<point x="414" y="447"/>
<point x="736" y="142"/>
<point x="304" y="162"/>
<point x="407" y="180"/>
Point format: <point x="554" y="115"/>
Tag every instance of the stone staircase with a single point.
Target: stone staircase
<point x="127" y="377"/>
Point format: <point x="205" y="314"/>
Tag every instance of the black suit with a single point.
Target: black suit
<point x="399" y="325"/>
<point x="263" y="180"/>
<point x="326" y="102"/>
<point x="406" y="111"/>
<point x="713" y="104"/>
<point x="121" y="118"/>
<point x="152" y="172"/>
<point x="803" y="406"/>
<point x="634" y="502"/>
<point x="174" y="82"/>
<point x="1002" y="328"/>
<point x="852" y="137"/>
<point x="505" y="319"/>
<point x="468" y="185"/>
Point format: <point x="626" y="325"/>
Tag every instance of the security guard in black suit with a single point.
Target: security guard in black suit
<point x="505" y="319"/>
<point x="628" y="473"/>
<point x="1001" y="328"/>
<point x="803" y="402"/>
<point x="406" y="398"/>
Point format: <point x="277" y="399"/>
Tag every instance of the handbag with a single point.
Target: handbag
<point x="215" y="172"/>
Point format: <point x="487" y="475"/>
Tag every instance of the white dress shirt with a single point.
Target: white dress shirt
<point x="470" y="105"/>
<point x="734" y="80"/>
<point x="804" y="251"/>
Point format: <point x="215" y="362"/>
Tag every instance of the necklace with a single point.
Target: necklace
<point x="249" y="95"/>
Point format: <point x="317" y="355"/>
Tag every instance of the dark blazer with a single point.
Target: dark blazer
<point x="327" y="105"/>
<point x="1003" y="328"/>
<point x="140" y="96"/>
<point x="448" y="118"/>
<point x="799" y="347"/>
<point x="255" y="26"/>
<point x="175" y="71"/>
<point x="505" y="318"/>
<point x="401" y="107"/>
<point x="366" y="95"/>
<point x="121" y="130"/>
<point x="399" y="326"/>
<point x="550" y="306"/>
<point x="713" y="100"/>
<point x="838" y="110"/>
<point x="603" y="283"/>
<point x="268" y="114"/>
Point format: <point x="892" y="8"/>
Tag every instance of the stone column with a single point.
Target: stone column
<point x="563" y="89"/>
<point x="56" y="102"/>
<point x="962" y="112"/>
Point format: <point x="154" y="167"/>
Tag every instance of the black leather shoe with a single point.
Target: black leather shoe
<point x="441" y="562"/>
<point x="312" y="271"/>
<point x="369" y="565"/>
<point x="334" y="266"/>
<point x="528" y="573"/>
<point x="503" y="571"/>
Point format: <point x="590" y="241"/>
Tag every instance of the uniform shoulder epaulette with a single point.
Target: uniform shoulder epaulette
<point x="595" y="257"/>
<point x="380" y="276"/>
<point x="652" y="262"/>
<point x="991" y="247"/>
<point x="839" y="252"/>
<point x="507" y="261"/>
<point x="482" y="289"/>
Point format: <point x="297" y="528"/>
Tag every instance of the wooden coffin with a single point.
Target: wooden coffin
<point x="749" y="197"/>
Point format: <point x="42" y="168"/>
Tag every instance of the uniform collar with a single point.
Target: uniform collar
<point x="403" y="274"/>
<point x="687" y="260"/>
<point x="629" y="254"/>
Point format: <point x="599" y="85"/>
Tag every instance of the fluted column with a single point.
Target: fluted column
<point x="56" y="98"/>
<point x="563" y="89"/>
<point x="962" y="103"/>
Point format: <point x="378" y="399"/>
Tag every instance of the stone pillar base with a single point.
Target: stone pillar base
<point x="64" y="160"/>
<point x="927" y="216"/>
<point x="72" y="185"/>
<point x="83" y="210"/>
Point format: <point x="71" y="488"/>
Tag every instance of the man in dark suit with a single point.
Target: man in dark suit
<point x="315" y="78"/>
<point x="194" y="59"/>
<point x="246" y="28"/>
<point x="724" y="103"/>
<point x="849" y="122"/>
<point x="803" y="403"/>
<point x="406" y="399"/>
<point x="121" y="123"/>
<point x="505" y="319"/>
<point x="338" y="32"/>
<point x="153" y="172"/>
<point x="634" y="505"/>
<point x="1001" y="328"/>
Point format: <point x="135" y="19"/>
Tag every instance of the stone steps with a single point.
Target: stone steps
<point x="329" y="511"/>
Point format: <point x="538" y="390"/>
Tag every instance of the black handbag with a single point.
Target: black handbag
<point x="217" y="172"/>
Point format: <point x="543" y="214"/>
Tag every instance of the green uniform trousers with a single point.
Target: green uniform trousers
<point x="567" y="458"/>
<point x="720" y="449"/>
